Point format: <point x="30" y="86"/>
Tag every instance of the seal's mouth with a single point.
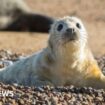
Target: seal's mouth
<point x="70" y="35"/>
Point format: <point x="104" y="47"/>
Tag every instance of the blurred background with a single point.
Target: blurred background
<point x="91" y="12"/>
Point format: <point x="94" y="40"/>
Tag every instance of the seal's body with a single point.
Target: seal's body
<point x="16" y="16"/>
<point x="66" y="60"/>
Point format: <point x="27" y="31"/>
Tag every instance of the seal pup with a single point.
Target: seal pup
<point x="15" y="15"/>
<point x="67" y="60"/>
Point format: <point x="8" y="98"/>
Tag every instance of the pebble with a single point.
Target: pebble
<point x="47" y="95"/>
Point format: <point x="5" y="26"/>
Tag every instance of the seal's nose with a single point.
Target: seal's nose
<point x="70" y="30"/>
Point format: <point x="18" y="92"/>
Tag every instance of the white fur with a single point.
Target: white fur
<point x="35" y="70"/>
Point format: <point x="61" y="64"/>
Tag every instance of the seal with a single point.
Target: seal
<point x="15" y="15"/>
<point x="67" y="60"/>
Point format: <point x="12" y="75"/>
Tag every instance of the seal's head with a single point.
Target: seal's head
<point x="68" y="31"/>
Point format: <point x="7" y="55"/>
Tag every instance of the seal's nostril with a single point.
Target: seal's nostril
<point x="73" y="29"/>
<point x="70" y="30"/>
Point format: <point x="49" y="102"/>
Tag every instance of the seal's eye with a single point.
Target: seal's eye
<point x="60" y="27"/>
<point x="78" y="25"/>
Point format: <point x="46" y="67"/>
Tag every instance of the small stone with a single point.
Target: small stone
<point x="21" y="102"/>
